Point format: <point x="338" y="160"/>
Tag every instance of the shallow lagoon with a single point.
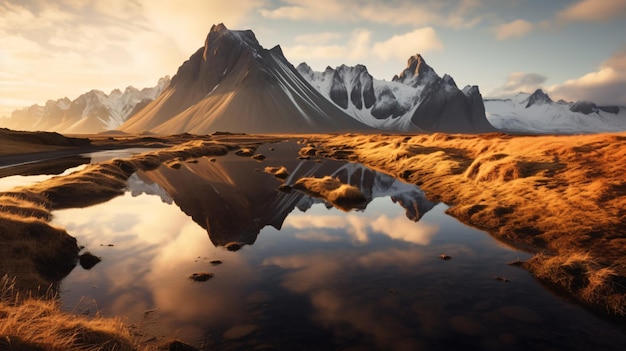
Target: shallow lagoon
<point x="326" y="280"/>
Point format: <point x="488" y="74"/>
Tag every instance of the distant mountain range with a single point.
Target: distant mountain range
<point x="537" y="113"/>
<point x="92" y="112"/>
<point x="233" y="84"/>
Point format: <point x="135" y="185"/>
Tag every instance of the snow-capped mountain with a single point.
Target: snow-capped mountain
<point x="92" y="112"/>
<point x="415" y="100"/>
<point x="537" y="113"/>
<point x="234" y="84"/>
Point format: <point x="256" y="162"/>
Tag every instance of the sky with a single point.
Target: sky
<point x="573" y="49"/>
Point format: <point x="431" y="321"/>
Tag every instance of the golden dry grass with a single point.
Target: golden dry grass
<point x="39" y="324"/>
<point x="552" y="194"/>
<point x="343" y="196"/>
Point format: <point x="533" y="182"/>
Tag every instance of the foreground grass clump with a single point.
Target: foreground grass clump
<point x="39" y="324"/>
<point x="345" y="197"/>
<point x="586" y="278"/>
<point x="553" y="195"/>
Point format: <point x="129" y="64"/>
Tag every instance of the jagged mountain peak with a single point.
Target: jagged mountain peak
<point x="234" y="84"/>
<point x="417" y="72"/>
<point x="538" y="98"/>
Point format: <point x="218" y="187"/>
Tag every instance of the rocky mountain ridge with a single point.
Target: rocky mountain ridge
<point x="537" y="113"/>
<point x="91" y="112"/>
<point x="416" y="100"/>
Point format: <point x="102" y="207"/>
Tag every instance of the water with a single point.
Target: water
<point x="33" y="172"/>
<point x="307" y="276"/>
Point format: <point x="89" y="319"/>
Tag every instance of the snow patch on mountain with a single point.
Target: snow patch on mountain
<point x="538" y="113"/>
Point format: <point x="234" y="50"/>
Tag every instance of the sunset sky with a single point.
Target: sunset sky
<point x="572" y="49"/>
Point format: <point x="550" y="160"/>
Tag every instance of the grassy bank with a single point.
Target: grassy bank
<point x="34" y="255"/>
<point x="562" y="197"/>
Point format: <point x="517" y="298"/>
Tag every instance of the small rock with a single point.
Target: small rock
<point x="246" y="152"/>
<point x="216" y="262"/>
<point x="258" y="157"/>
<point x="233" y="246"/>
<point x="502" y="279"/>
<point x="201" y="277"/>
<point x="285" y="188"/>
<point x="88" y="260"/>
<point x="444" y="257"/>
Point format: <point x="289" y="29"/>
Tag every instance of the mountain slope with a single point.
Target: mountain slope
<point x="92" y="112"/>
<point x="415" y="100"/>
<point x="537" y="113"/>
<point x="233" y="84"/>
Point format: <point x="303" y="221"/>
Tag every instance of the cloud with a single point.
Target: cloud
<point x="594" y="11"/>
<point x="405" y="45"/>
<point x="318" y="38"/>
<point x="359" y="46"/>
<point x="81" y="45"/>
<point x="515" y="29"/>
<point x="360" y="228"/>
<point x="606" y="85"/>
<point x="455" y="14"/>
<point x="519" y="82"/>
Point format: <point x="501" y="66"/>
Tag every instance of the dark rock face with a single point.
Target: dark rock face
<point x="610" y="109"/>
<point x="584" y="107"/>
<point x="338" y="91"/>
<point x="538" y="98"/>
<point x="387" y="105"/>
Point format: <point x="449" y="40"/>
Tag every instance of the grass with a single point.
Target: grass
<point x="39" y="255"/>
<point x="39" y="324"/>
<point x="554" y="195"/>
<point x="345" y="197"/>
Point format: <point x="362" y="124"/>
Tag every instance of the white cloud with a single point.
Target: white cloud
<point x="606" y="85"/>
<point x="514" y="29"/>
<point x="405" y="45"/>
<point x="594" y="11"/>
<point x="359" y="46"/>
<point x="456" y="14"/>
<point x="519" y="82"/>
<point x="318" y="38"/>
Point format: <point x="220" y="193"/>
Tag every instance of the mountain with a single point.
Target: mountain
<point x="415" y="100"/>
<point x="233" y="84"/>
<point x="92" y="112"/>
<point x="538" y="113"/>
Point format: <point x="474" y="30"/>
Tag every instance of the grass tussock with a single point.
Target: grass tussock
<point x="346" y="197"/>
<point x="39" y="324"/>
<point x="555" y="194"/>
<point x="588" y="279"/>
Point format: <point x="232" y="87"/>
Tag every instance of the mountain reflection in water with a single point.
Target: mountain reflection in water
<point x="233" y="199"/>
<point x="328" y="280"/>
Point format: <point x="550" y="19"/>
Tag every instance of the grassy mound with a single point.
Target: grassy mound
<point x="554" y="195"/>
<point x="345" y="197"/>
